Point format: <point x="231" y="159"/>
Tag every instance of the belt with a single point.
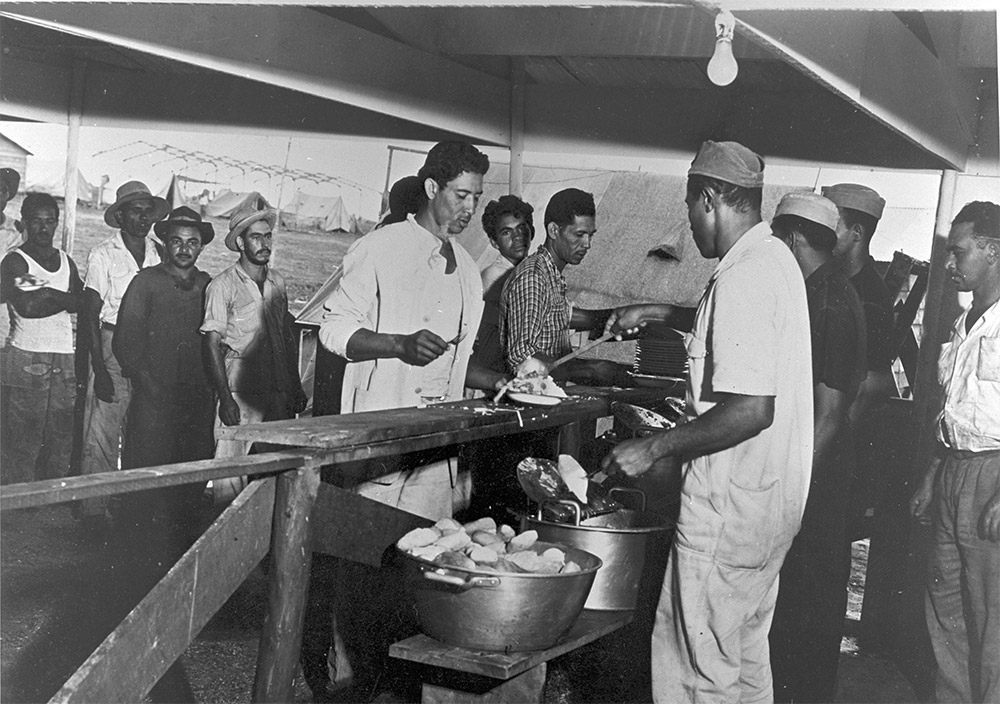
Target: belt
<point x="970" y="454"/>
<point x="107" y="326"/>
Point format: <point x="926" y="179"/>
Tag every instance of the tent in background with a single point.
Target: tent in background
<point x="227" y="203"/>
<point x="177" y="194"/>
<point x="309" y="212"/>
<point x="44" y="176"/>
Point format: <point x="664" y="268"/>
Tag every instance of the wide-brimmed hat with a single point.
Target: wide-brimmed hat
<point x="189" y="218"/>
<point x="246" y="216"/>
<point x="133" y="191"/>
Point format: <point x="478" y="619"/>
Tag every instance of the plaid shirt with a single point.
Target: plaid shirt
<point x="534" y="312"/>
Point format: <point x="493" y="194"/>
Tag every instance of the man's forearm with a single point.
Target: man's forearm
<point x="211" y="343"/>
<point x="592" y="320"/>
<point x="732" y="421"/>
<point x="875" y="389"/>
<point x="92" y="312"/>
<point x="366" y="344"/>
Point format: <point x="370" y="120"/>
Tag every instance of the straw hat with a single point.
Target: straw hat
<point x="247" y="216"/>
<point x="130" y="192"/>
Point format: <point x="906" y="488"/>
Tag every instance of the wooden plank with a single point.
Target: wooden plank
<point x="133" y="657"/>
<point x="370" y="528"/>
<point x="54" y="491"/>
<point x="288" y="582"/>
<point x="380" y="426"/>
<point x="499" y="665"/>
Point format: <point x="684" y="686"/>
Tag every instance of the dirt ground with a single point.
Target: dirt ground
<point x="55" y="608"/>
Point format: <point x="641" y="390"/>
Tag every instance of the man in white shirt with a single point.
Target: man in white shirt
<point x="110" y="268"/>
<point x="960" y="491"/>
<point x="10" y="236"/>
<point x="749" y="446"/>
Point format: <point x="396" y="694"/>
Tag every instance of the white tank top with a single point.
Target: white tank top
<point x="53" y="333"/>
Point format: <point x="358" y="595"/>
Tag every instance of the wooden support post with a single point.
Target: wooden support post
<point x="288" y="584"/>
<point x="73" y="153"/>
<point x="516" y="175"/>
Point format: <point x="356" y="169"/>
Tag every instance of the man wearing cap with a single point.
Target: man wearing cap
<point x="248" y="338"/>
<point x="959" y="493"/>
<point x="535" y="315"/>
<point x="860" y="210"/>
<point x="812" y="599"/>
<point x="41" y="287"/>
<point x="10" y="236"/>
<point x="749" y="445"/>
<point x="111" y="266"/>
<point x="157" y="344"/>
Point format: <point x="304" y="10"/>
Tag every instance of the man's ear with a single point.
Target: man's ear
<point x="709" y="196"/>
<point x="431" y="188"/>
<point x="857" y="233"/>
<point x="494" y="243"/>
<point x="993" y="253"/>
<point x="552" y="230"/>
<point x="118" y="217"/>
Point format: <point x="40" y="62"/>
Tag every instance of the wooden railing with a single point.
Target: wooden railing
<point x="286" y="511"/>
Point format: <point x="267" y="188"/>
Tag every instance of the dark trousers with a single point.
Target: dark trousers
<point x="812" y="593"/>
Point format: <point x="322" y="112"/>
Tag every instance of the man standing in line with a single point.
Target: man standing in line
<point x="749" y="444"/>
<point x="41" y="286"/>
<point x="110" y="268"/>
<point x="860" y="210"/>
<point x="509" y="226"/>
<point x="10" y="236"/>
<point x="248" y="339"/>
<point x="812" y="599"/>
<point x="960" y="491"/>
<point x="535" y="315"/>
<point x="404" y="315"/>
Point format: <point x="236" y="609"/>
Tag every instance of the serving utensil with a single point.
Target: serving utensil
<point x="565" y="358"/>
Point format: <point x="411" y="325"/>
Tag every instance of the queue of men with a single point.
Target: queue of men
<point x="788" y="356"/>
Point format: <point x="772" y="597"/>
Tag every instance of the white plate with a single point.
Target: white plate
<point x="533" y="399"/>
<point x="29" y="287"/>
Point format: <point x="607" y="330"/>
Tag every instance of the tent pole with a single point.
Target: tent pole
<point x="516" y="175"/>
<point x="74" y="118"/>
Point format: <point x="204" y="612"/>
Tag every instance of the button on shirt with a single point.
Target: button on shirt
<point x="251" y="324"/>
<point x="534" y="311"/>
<point x="969" y="374"/>
<point x="110" y="269"/>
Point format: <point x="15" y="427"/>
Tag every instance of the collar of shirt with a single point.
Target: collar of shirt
<point x="118" y="242"/>
<point x="755" y="234"/>
<point x="241" y="272"/>
<point x="990" y="316"/>
<point x="431" y="242"/>
<point x="822" y="272"/>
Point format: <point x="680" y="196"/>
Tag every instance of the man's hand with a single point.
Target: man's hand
<point x="989" y="519"/>
<point x="631" y="458"/>
<point x="422" y="347"/>
<point x="104" y="387"/>
<point x="229" y="412"/>
<point x="920" y="503"/>
<point x="298" y="401"/>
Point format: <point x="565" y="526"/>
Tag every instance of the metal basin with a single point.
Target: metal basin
<point x="498" y="611"/>
<point x="621" y="539"/>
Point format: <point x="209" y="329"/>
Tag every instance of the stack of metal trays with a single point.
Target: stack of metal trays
<point x="660" y="354"/>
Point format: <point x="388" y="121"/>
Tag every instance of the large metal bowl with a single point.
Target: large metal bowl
<point x="498" y="611"/>
<point x="621" y="539"/>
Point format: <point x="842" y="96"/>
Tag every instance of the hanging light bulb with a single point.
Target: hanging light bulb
<point x="722" y="68"/>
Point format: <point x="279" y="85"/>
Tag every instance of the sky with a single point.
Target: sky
<point x="360" y="167"/>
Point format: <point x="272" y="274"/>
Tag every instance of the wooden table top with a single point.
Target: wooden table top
<point x="458" y="420"/>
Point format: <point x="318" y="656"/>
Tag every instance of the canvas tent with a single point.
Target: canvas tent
<point x="177" y="192"/>
<point x="46" y="176"/>
<point x="227" y="203"/>
<point x="312" y="212"/>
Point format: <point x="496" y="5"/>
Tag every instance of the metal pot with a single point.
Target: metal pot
<point x="621" y="539"/>
<point x="498" y="611"/>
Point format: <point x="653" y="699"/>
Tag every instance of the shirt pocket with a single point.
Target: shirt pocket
<point x="243" y="324"/>
<point x="750" y="526"/>
<point x="988" y="365"/>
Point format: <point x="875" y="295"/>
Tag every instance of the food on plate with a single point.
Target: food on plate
<point x="497" y="549"/>
<point x="29" y="282"/>
<point x="536" y="385"/>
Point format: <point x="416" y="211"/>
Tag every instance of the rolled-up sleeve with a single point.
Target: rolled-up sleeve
<point x="349" y="307"/>
<point x="216" y="307"/>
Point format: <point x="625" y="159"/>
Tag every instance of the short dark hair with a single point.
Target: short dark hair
<point x="34" y="202"/>
<point x="567" y="204"/>
<point x="507" y="205"/>
<point x="405" y="198"/>
<point x="819" y="237"/>
<point x="867" y="221"/>
<point x="984" y="216"/>
<point x="447" y="161"/>
<point x="739" y="198"/>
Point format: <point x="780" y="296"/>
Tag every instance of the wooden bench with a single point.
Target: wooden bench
<point x="471" y="676"/>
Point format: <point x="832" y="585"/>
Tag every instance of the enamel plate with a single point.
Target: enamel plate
<point x="533" y="399"/>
